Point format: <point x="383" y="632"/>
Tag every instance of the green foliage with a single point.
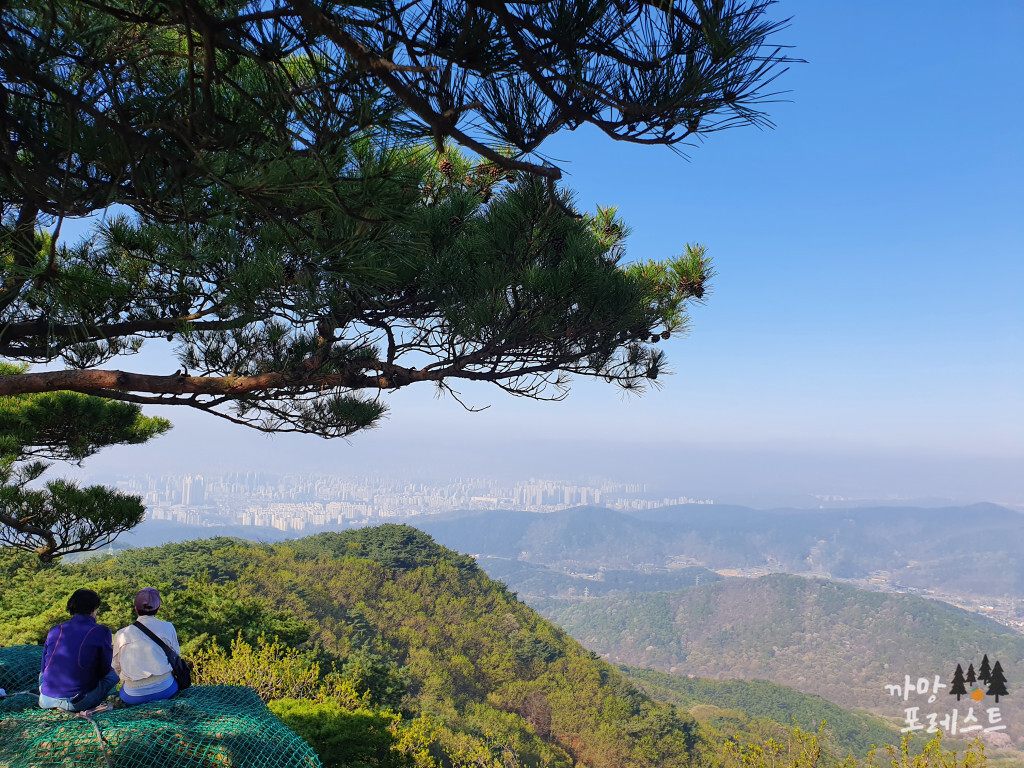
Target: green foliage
<point x="498" y="738"/>
<point x="494" y="281"/>
<point x="377" y="679"/>
<point x="395" y="547"/>
<point x="68" y="425"/>
<point x="808" y="749"/>
<point x="275" y="670"/>
<point x="738" y="707"/>
<point x="61" y="517"/>
<point x="933" y="755"/>
<point x="801" y="750"/>
<point x="489" y="749"/>
<point x="343" y="737"/>
<point x="271" y="669"/>
<point x="470" y="673"/>
<point x="294" y="218"/>
<point x="429" y="664"/>
<point x="154" y="90"/>
<point x="207" y="612"/>
<point x="221" y="560"/>
<point x="819" y="637"/>
<point x="34" y="598"/>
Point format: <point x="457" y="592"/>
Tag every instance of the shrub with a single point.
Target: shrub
<point x="359" y="738"/>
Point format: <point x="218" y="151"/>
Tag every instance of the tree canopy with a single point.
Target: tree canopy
<point x="312" y="203"/>
<point x="148" y="85"/>
<point x="285" y="202"/>
<point x="61" y="518"/>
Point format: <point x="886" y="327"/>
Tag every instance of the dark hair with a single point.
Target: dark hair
<point x="83" y="601"/>
<point x="147" y="611"/>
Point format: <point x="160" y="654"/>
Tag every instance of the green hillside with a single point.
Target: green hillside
<point x="405" y="646"/>
<point x="735" y="706"/>
<point x="382" y="648"/>
<point x="816" y="636"/>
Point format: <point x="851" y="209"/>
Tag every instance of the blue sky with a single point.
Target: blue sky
<point x="866" y="332"/>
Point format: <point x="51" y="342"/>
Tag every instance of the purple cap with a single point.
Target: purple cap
<point x="147" y="600"/>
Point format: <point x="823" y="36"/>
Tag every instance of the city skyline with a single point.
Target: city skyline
<point x="299" y="503"/>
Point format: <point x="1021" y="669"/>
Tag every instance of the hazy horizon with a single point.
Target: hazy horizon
<point x="761" y="477"/>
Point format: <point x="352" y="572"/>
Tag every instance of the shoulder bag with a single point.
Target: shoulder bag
<point x="180" y="669"/>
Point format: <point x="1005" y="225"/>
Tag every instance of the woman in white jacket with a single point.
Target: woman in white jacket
<point x="141" y="662"/>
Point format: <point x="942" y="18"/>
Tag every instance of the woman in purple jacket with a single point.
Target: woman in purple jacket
<point x="76" y="673"/>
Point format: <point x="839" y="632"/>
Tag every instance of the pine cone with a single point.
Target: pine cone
<point x="447" y="167"/>
<point x="666" y="335"/>
<point x="693" y="287"/>
<point x="655" y="338"/>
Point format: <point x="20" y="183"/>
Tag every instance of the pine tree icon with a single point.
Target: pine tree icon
<point x="957" y="684"/>
<point x="997" y="683"/>
<point x="985" y="671"/>
<point x="971" y="677"/>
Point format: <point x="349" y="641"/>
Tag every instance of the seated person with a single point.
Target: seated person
<point x="141" y="663"/>
<point x="76" y="673"/>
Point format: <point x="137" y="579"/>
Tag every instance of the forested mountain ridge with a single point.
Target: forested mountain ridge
<point x="735" y="707"/>
<point x="813" y="635"/>
<point x="534" y="583"/>
<point x="409" y="625"/>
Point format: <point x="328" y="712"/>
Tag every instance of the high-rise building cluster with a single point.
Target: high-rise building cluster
<point x="312" y="501"/>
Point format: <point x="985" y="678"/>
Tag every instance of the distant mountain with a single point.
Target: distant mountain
<point x="813" y="635"/>
<point x="535" y="582"/>
<point x="976" y="550"/>
<point x="571" y="536"/>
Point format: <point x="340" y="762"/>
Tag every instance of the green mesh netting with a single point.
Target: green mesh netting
<point x="202" y="727"/>
<point x="19" y="667"/>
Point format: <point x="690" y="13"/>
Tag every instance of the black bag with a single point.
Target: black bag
<point x="181" y="670"/>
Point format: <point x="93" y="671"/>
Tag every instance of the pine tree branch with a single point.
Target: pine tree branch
<point x="27" y="529"/>
<point x="77" y="333"/>
<point x="23" y="238"/>
<point x="492" y="363"/>
<point x="108" y="383"/>
<point x="442" y="124"/>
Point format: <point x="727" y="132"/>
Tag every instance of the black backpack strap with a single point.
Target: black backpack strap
<point x="171" y="655"/>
